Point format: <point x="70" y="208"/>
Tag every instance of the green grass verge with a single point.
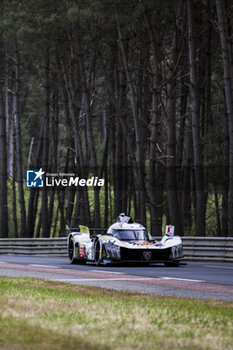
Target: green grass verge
<point x="37" y="314"/>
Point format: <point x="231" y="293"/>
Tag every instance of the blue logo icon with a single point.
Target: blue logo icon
<point x="35" y="178"/>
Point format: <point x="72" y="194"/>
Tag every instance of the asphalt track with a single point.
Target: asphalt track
<point x="190" y="280"/>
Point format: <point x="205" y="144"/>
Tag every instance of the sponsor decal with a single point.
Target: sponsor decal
<point x="143" y="244"/>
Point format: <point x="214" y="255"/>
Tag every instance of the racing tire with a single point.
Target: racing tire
<point x="98" y="253"/>
<point x="72" y="258"/>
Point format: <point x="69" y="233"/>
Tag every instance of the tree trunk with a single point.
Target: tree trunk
<point x="45" y="150"/>
<point x="218" y="219"/>
<point x="195" y="115"/>
<point x="90" y="136"/>
<point x="54" y="147"/>
<point x="3" y="151"/>
<point x="172" y="190"/>
<point x="156" y="168"/>
<point x="18" y="146"/>
<point x="69" y="107"/>
<point x="34" y="192"/>
<point x="228" y="86"/>
<point x="118" y="200"/>
<point x="186" y="185"/>
<point x="140" y="159"/>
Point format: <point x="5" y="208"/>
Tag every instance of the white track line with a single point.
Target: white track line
<point x="220" y="267"/>
<point x="133" y="279"/>
<point x="51" y="267"/>
<point x="111" y="272"/>
<point x="102" y="279"/>
<point x="181" y="279"/>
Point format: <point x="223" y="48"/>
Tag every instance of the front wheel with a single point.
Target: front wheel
<point x="72" y="258"/>
<point x="98" y="253"/>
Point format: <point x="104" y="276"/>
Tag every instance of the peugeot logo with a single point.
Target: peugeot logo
<point x="147" y="255"/>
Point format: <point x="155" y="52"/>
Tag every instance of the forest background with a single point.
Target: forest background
<point x="139" y="93"/>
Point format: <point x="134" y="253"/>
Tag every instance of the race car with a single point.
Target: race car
<point x="125" y="242"/>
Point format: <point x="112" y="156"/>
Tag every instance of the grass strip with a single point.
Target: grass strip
<point x="50" y="315"/>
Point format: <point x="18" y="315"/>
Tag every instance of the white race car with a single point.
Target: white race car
<point x="125" y="242"/>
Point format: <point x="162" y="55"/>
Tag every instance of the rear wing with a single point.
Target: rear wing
<point x="80" y="228"/>
<point x="84" y="229"/>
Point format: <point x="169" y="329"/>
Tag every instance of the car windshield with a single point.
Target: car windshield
<point x="131" y="235"/>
